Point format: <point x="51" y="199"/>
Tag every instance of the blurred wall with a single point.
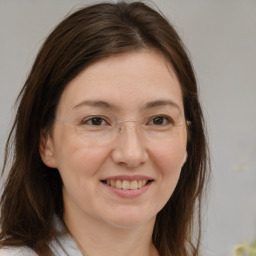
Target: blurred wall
<point x="221" y="38"/>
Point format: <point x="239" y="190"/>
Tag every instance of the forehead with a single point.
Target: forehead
<point x="126" y="80"/>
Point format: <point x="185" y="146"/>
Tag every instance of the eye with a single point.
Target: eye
<point x="95" y="121"/>
<point x="160" y="121"/>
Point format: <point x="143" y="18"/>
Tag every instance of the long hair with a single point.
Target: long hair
<point x="32" y="192"/>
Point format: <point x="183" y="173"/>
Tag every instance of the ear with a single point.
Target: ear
<point x="46" y="150"/>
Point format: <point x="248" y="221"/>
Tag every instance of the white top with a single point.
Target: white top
<point x="62" y="245"/>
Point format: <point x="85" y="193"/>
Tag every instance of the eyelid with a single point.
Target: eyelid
<point x="108" y="121"/>
<point x="168" y="118"/>
<point x="85" y="120"/>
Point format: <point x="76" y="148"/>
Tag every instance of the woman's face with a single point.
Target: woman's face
<point x="119" y="173"/>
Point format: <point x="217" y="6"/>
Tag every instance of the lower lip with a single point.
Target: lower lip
<point x="129" y="193"/>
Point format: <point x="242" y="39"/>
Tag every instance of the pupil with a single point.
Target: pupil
<point x="158" y="121"/>
<point x="96" y="121"/>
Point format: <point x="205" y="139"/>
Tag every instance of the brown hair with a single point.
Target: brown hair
<point x="33" y="192"/>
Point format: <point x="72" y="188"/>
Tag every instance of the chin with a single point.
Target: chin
<point x="130" y="219"/>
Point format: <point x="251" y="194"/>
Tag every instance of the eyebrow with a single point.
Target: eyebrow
<point x="159" y="103"/>
<point x="148" y="105"/>
<point x="95" y="103"/>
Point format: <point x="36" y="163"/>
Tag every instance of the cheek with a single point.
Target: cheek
<point x="79" y="171"/>
<point x="74" y="160"/>
<point x="170" y="155"/>
<point x="169" y="160"/>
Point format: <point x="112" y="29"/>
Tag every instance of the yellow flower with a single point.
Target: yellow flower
<point x="244" y="249"/>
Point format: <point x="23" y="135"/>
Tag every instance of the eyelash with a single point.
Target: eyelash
<point x="88" y="121"/>
<point x="168" y="120"/>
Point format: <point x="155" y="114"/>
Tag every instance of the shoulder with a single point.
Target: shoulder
<point x="17" y="251"/>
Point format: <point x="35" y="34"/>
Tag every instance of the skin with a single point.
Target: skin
<point x="102" y="222"/>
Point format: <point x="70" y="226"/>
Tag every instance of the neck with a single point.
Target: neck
<point x="99" y="239"/>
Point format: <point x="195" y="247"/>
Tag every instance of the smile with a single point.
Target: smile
<point x="127" y="184"/>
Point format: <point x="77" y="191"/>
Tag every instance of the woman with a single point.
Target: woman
<point x="110" y="155"/>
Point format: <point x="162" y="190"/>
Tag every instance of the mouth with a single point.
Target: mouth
<point x="127" y="184"/>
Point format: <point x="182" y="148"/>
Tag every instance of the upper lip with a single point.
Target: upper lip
<point x="128" y="177"/>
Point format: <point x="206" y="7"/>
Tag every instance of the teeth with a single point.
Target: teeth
<point x="126" y="184"/>
<point x="118" y="184"/>
<point x="134" y="184"/>
<point x="139" y="183"/>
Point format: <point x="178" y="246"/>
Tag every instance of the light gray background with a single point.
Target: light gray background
<point x="221" y="37"/>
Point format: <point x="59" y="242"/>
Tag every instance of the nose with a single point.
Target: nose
<point x="130" y="148"/>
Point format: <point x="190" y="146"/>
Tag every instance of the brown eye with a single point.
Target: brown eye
<point x="95" y="121"/>
<point x="160" y="121"/>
